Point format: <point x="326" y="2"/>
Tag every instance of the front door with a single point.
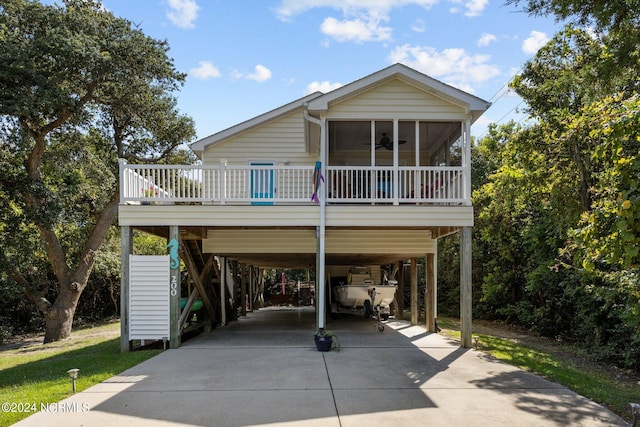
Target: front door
<point x="262" y="184"/>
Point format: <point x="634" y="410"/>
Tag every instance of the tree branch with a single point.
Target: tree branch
<point x="41" y="302"/>
<point x="105" y="219"/>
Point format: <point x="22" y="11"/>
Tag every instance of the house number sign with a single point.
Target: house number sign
<point x="174" y="285"/>
<point x="174" y="264"/>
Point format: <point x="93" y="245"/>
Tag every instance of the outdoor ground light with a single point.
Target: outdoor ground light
<point x="635" y="411"/>
<point x="73" y="374"/>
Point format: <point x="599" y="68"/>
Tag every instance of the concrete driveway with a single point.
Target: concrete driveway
<point x="265" y="370"/>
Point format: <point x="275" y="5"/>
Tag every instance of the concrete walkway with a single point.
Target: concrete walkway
<point x="265" y="370"/>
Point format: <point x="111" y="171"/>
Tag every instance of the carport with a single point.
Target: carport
<point x="224" y="271"/>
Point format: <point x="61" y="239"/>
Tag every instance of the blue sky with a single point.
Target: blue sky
<point x="247" y="57"/>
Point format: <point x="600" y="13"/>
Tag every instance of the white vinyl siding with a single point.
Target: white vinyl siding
<point x="397" y="99"/>
<point x="405" y="243"/>
<point x="260" y="241"/>
<point x="299" y="241"/>
<point x="148" y="297"/>
<point x="282" y="140"/>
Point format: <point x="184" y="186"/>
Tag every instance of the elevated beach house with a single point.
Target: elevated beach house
<point x="369" y="174"/>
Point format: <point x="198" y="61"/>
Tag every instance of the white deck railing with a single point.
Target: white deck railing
<point x="221" y="184"/>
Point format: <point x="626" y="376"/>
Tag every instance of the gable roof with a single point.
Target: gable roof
<point x="318" y="102"/>
<point x="472" y="104"/>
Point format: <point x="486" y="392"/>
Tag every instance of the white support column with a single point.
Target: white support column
<point x="126" y="249"/>
<point x="417" y="142"/>
<point x="373" y="179"/>
<point x="465" y="287"/>
<point x="223" y="181"/>
<point x="122" y="164"/>
<point x="396" y="161"/>
<point x="321" y="292"/>
<point x="321" y="303"/>
<point x="417" y="190"/>
<point x="466" y="161"/>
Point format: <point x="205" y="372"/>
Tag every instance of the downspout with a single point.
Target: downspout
<point x="321" y="302"/>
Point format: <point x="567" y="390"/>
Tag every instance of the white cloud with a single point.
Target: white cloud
<point x="420" y="26"/>
<point x="534" y="42"/>
<point x="471" y="7"/>
<point x="355" y="30"/>
<point x="182" y="13"/>
<point x="205" y="71"/>
<point x="260" y="74"/>
<point x="453" y="66"/>
<point x="289" y="8"/>
<point x="486" y="39"/>
<point x="361" y="20"/>
<point x="475" y="7"/>
<point x="323" y="87"/>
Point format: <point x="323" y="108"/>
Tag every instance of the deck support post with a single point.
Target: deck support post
<point x="174" y="288"/>
<point x="429" y="302"/>
<point x="260" y="275"/>
<point x="414" y="291"/>
<point x="465" y="287"/>
<point x="126" y="249"/>
<point x="223" y="290"/>
<point x="400" y="292"/>
<point x="236" y="288"/>
<point x="252" y="278"/>
<point x="243" y="289"/>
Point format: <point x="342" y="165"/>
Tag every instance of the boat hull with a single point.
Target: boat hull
<point x="354" y="296"/>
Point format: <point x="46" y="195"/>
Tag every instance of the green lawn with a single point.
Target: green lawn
<point x="589" y="380"/>
<point x="38" y="374"/>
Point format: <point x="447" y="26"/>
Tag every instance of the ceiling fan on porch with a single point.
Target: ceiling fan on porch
<point x="386" y="142"/>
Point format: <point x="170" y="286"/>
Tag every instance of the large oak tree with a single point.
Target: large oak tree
<point x="79" y="89"/>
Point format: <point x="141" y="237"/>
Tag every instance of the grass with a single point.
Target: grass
<point x="590" y="380"/>
<point x="37" y="374"/>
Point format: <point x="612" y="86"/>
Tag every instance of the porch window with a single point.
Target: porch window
<point x="438" y="143"/>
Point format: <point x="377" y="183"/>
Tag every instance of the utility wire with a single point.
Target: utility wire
<point x="503" y="117"/>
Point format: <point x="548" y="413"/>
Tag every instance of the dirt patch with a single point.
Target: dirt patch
<point x="34" y="343"/>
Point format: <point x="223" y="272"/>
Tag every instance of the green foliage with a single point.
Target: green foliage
<point x="79" y="89"/>
<point x="610" y="231"/>
<point x="557" y="218"/>
<point x="604" y="13"/>
<point x="148" y="244"/>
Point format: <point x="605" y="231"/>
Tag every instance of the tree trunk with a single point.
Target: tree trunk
<point x="59" y="317"/>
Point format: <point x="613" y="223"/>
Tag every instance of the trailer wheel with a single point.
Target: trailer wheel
<point x="367" y="309"/>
